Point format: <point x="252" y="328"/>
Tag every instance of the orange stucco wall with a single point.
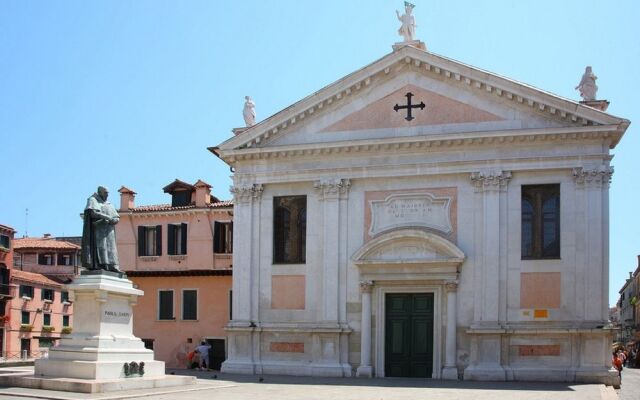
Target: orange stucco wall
<point x="171" y="337"/>
<point x="199" y="240"/>
<point x="13" y="333"/>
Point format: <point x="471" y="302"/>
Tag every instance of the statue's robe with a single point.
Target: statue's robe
<point x="99" y="236"/>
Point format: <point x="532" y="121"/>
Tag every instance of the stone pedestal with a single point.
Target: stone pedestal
<point x="102" y="341"/>
<point x="414" y="43"/>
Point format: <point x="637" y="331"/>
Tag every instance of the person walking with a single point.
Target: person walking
<point x="203" y="349"/>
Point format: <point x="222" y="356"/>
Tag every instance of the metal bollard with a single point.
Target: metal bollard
<point x="24" y="354"/>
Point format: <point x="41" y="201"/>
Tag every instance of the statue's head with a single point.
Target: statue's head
<point x="103" y="192"/>
<point x="588" y="70"/>
<point x="408" y="7"/>
<point x="247" y="98"/>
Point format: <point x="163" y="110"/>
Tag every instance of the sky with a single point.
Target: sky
<point x="133" y="92"/>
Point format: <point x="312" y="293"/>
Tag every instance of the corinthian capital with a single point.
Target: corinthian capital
<point x="593" y="177"/>
<point x="333" y="188"/>
<point x="246" y="193"/>
<point x="365" y="286"/>
<point x="490" y="180"/>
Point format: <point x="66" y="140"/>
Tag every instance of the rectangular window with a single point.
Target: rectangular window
<point x="177" y="239"/>
<point x="65" y="320"/>
<point x="64" y="297"/>
<point x="26" y="318"/>
<point x="45" y="343"/>
<point x="223" y="237"/>
<point x="149" y="240"/>
<point x="65" y="259"/>
<point x="290" y="229"/>
<point x="540" y="222"/>
<point x="181" y="198"/>
<point x="189" y="304"/>
<point x="5" y="241"/>
<point x="165" y="305"/>
<point x="26" y="291"/>
<point x="46" y="319"/>
<point x="47" y="294"/>
<point x="45" y="259"/>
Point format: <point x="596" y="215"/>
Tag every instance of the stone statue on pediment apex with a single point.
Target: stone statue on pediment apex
<point x="408" y="27"/>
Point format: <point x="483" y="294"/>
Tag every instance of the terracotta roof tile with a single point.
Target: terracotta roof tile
<point x="168" y="207"/>
<point x="41" y="243"/>
<point x="25" y="276"/>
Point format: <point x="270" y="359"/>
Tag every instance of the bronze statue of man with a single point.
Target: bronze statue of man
<point x="99" y="233"/>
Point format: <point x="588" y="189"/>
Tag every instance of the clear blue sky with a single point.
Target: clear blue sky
<point x="132" y="92"/>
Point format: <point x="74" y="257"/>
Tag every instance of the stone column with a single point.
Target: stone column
<point x="330" y="191"/>
<point x="365" y="368"/>
<point x="450" y="370"/>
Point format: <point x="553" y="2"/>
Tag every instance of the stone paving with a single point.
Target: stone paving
<point x="214" y="385"/>
<point x="630" y="388"/>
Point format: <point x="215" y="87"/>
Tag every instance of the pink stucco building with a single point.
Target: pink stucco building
<point x="179" y="254"/>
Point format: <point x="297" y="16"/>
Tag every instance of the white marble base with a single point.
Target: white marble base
<point x="102" y="341"/>
<point x="485" y="373"/>
<point x="450" y="373"/>
<point x="95" y="385"/>
<point x="364" y="372"/>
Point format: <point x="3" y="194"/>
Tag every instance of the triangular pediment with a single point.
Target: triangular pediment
<point x="438" y="110"/>
<point x="458" y="99"/>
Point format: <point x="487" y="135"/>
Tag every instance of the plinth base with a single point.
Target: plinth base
<point x="414" y="43"/>
<point x="450" y="373"/>
<point x="95" y="385"/>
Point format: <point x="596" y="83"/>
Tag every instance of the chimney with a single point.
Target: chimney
<point x="203" y="193"/>
<point x="127" y="198"/>
<point x="46" y="235"/>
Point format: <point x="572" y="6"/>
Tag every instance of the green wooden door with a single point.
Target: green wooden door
<point x="409" y="335"/>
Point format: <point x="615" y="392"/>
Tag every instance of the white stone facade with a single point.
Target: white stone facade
<point x="427" y="206"/>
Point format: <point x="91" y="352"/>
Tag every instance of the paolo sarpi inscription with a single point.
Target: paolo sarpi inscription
<point x="410" y="209"/>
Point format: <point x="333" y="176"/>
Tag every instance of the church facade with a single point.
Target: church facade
<point x="421" y="217"/>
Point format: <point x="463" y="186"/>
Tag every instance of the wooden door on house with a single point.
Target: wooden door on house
<point x="217" y="354"/>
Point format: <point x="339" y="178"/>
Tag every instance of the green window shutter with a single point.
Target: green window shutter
<point x="171" y="242"/>
<point x="183" y="232"/>
<point x="141" y="241"/>
<point x="158" y="240"/>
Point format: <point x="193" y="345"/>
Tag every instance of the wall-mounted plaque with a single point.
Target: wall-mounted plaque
<point x="410" y="210"/>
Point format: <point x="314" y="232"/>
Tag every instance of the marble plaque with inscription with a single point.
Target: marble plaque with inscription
<point x="410" y="210"/>
<point x="122" y="317"/>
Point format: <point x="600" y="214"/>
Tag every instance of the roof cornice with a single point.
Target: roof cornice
<point x="451" y="140"/>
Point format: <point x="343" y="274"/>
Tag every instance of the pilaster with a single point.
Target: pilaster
<point x="592" y="185"/>
<point x="491" y="185"/>
<point x="330" y="191"/>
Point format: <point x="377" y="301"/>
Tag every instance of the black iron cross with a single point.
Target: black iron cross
<point x="409" y="106"/>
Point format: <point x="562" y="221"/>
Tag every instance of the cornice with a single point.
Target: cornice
<point x="442" y="141"/>
<point x="429" y="64"/>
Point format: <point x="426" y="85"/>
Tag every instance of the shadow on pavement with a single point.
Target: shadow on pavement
<point x="376" y="382"/>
